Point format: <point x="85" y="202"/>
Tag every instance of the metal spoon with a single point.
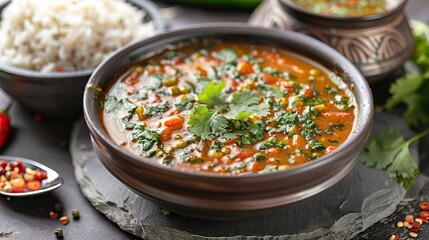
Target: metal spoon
<point x="53" y="181"/>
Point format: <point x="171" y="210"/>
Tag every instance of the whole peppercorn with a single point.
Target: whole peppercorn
<point x="76" y="214"/>
<point x="64" y="220"/>
<point x="58" y="207"/>
<point x="59" y="233"/>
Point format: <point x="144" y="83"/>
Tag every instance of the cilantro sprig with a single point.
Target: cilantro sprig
<point x="412" y="89"/>
<point x="217" y="117"/>
<point x="389" y="151"/>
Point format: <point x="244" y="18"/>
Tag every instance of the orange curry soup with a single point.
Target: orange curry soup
<point x="229" y="108"/>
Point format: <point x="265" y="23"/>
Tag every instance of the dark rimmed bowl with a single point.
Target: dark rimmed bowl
<point x="220" y="196"/>
<point x="377" y="44"/>
<point x="57" y="94"/>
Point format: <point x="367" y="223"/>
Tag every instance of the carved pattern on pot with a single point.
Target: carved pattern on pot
<point x="374" y="51"/>
<point x="378" y="50"/>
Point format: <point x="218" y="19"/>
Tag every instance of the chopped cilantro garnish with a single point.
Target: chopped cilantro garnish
<point x="284" y="122"/>
<point x="156" y="109"/>
<point x="227" y="55"/>
<point x="216" y="146"/>
<point x="153" y="82"/>
<point x="186" y="104"/>
<point x="112" y="104"/>
<point x="268" y="169"/>
<point x="196" y="160"/>
<point x="146" y="138"/>
<point x="271" y="143"/>
<point x="342" y="102"/>
<point x="313" y="144"/>
<point x="331" y="90"/>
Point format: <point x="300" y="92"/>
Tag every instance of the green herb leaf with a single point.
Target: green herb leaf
<point x="389" y="151"/>
<point x="112" y="104"/>
<point x="403" y="88"/>
<point x="285" y="122"/>
<point x="227" y="55"/>
<point x="417" y="109"/>
<point x="156" y="109"/>
<point x="146" y="138"/>
<point x="271" y="143"/>
<point x="245" y="104"/>
<point x="153" y="82"/>
<point x="413" y="88"/>
<point x="186" y="104"/>
<point x="207" y="123"/>
<point x="212" y="94"/>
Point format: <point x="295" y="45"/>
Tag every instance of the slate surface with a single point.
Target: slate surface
<point x="361" y="199"/>
<point x="47" y="141"/>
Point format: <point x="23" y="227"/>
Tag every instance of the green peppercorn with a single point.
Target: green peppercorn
<point x="139" y="70"/>
<point x="175" y="91"/>
<point x="169" y="82"/>
<point x="58" y="207"/>
<point x="314" y="72"/>
<point x="59" y="233"/>
<point x="181" y="144"/>
<point x="76" y="214"/>
<point x="184" y="90"/>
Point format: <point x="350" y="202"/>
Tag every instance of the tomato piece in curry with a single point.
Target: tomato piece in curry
<point x="229" y="108"/>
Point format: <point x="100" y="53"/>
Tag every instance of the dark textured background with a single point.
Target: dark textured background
<point x="47" y="141"/>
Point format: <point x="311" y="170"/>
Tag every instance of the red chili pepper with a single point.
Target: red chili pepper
<point x="4" y="126"/>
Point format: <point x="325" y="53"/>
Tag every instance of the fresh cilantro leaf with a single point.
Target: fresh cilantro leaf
<point x="216" y="146"/>
<point x="271" y="143"/>
<point x="284" y="122"/>
<point x="253" y="133"/>
<point x="389" y="151"/>
<point x="146" y="138"/>
<point x="227" y="55"/>
<point x="207" y="123"/>
<point x="196" y="160"/>
<point x="141" y="95"/>
<point x="271" y="90"/>
<point x="245" y="104"/>
<point x="413" y="88"/>
<point x="268" y="169"/>
<point x="417" y="109"/>
<point x="342" y="102"/>
<point x="227" y="70"/>
<point x="156" y="109"/>
<point x="251" y="59"/>
<point x="403" y="88"/>
<point x="153" y="82"/>
<point x="113" y="104"/>
<point x="212" y="94"/>
<point x="330" y="90"/>
<point x="313" y="102"/>
<point x="313" y="144"/>
<point x="185" y="104"/>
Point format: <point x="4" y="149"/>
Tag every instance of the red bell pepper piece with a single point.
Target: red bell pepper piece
<point x="4" y="126"/>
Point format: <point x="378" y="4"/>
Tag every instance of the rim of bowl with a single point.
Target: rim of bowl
<point x="371" y="17"/>
<point x="364" y="111"/>
<point x="151" y="10"/>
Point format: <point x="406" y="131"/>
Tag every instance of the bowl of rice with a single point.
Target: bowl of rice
<point x="49" y="48"/>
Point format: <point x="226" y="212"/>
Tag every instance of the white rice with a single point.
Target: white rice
<point x="67" y="35"/>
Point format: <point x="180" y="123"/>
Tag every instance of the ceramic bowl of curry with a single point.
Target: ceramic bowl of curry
<point x="373" y="35"/>
<point x="228" y="121"/>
